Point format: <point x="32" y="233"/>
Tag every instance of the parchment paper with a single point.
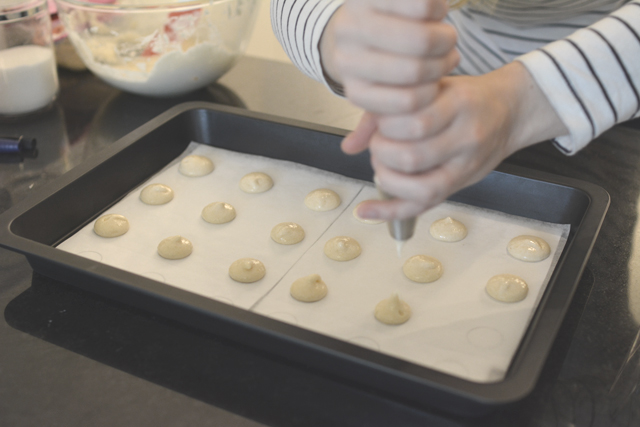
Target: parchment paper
<point x="455" y="327"/>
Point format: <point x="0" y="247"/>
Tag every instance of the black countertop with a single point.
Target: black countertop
<point x="70" y="358"/>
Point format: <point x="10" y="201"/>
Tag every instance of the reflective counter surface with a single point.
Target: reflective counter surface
<point x="69" y="358"/>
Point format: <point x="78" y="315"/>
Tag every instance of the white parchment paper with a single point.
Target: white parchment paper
<point x="455" y="327"/>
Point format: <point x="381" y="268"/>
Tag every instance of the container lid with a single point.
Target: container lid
<point x="16" y="9"/>
<point x="7" y="4"/>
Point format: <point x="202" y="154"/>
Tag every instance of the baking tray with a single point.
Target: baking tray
<point x="58" y="210"/>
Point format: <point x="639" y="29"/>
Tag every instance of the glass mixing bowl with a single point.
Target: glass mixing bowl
<point x="155" y="47"/>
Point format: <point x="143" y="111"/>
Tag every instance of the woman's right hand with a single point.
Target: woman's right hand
<point x="389" y="54"/>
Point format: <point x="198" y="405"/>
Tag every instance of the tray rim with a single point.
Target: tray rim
<point x="516" y="385"/>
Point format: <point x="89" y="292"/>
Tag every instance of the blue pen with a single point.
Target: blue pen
<point x="17" y="145"/>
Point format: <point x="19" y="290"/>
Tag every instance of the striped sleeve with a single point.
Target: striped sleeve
<point x="298" y="26"/>
<point x="592" y="77"/>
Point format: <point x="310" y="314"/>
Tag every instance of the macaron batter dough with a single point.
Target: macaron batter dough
<point x="195" y="165"/>
<point x="256" y="182"/>
<point x="422" y="269"/>
<point x="342" y="248"/>
<point x="156" y="194"/>
<point x="218" y="213"/>
<point x="309" y="288"/>
<point x="287" y="233"/>
<point x="111" y="225"/>
<point x="507" y="288"/>
<point x="392" y="311"/>
<point x="322" y="200"/>
<point x="529" y="248"/>
<point x="448" y="230"/>
<point x="175" y="247"/>
<point x="247" y="270"/>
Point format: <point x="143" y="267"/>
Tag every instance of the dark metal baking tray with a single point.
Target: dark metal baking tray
<point x="58" y="210"/>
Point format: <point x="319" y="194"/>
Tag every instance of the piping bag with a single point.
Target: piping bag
<point x="401" y="230"/>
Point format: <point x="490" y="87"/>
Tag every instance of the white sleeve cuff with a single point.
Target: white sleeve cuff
<point x="592" y="77"/>
<point x="552" y="80"/>
<point x="299" y="25"/>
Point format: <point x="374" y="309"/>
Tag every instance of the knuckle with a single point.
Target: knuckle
<point x="406" y="162"/>
<point x="454" y="60"/>
<point x="440" y="191"/>
<point x="370" y="28"/>
<point x="453" y="33"/>
<point x="344" y="25"/>
<point x="425" y="193"/>
<point x="407" y="101"/>
<point x="423" y="40"/>
<point x="449" y="178"/>
<point x="341" y="60"/>
<point x="411" y="161"/>
<point x="421" y="9"/>
<point x="445" y="66"/>
<point x="419" y="127"/>
<point x="354" y="94"/>
<point x="449" y="35"/>
<point x="428" y="94"/>
<point x="474" y="132"/>
<point x="342" y="32"/>
<point x="428" y="9"/>
<point x="390" y="128"/>
<point x="436" y="69"/>
<point x="477" y="134"/>
<point x="357" y="98"/>
<point x="413" y="72"/>
<point x="463" y="95"/>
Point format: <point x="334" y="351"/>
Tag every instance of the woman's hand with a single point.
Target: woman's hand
<point x="465" y="132"/>
<point x="389" y="54"/>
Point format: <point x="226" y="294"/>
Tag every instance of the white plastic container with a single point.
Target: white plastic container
<point x="28" y="76"/>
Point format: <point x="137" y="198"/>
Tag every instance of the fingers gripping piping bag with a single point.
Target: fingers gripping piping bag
<point x="402" y="229"/>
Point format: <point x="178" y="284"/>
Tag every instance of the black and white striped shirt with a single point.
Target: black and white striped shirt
<point x="584" y="54"/>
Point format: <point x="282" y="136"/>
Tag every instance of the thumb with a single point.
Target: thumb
<point x="358" y="140"/>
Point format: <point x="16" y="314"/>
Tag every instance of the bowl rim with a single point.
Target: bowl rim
<point x="183" y="5"/>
